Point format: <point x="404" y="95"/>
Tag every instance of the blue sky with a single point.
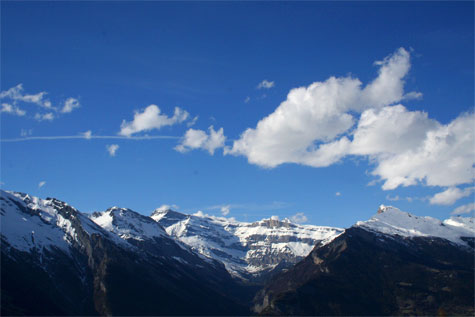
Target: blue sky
<point x="332" y="150"/>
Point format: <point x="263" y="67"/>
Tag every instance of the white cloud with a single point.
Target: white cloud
<point x="41" y="184"/>
<point x="443" y="158"/>
<point x="299" y="218"/>
<point x="199" y="139"/>
<point x="25" y="133"/>
<point x="413" y="95"/>
<point x="200" y="213"/>
<point x="247" y="99"/>
<point x="315" y="126"/>
<point x="450" y="195"/>
<point x="299" y="129"/>
<point x="274" y="217"/>
<point x="265" y="84"/>
<point x="12" y="109"/>
<point x="70" y="104"/>
<point x="390" y="130"/>
<point x="166" y="207"/>
<point x="112" y="149"/>
<point x="17" y="94"/>
<point x="87" y="134"/>
<point x="151" y="118"/>
<point x="225" y="210"/>
<point x="464" y="209"/>
<point x="44" y="116"/>
<point x="337" y="194"/>
<point x="192" y="122"/>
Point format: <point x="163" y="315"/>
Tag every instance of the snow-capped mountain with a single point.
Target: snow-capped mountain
<point x="246" y="249"/>
<point x="55" y="260"/>
<point x="392" y="221"/>
<point x="44" y="224"/>
<point x="395" y="263"/>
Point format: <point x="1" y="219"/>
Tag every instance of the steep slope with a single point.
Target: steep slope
<point x="248" y="250"/>
<point x="393" y="264"/>
<point x="56" y="261"/>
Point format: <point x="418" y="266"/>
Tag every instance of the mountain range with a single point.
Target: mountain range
<point x="56" y="260"/>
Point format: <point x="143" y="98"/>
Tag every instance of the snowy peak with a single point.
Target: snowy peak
<point x="32" y="223"/>
<point x="392" y="221"/>
<point x="128" y="224"/>
<point x="245" y="248"/>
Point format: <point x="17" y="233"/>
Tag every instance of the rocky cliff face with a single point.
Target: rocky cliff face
<point x="56" y="261"/>
<point x="250" y="251"/>
<point x="393" y="264"/>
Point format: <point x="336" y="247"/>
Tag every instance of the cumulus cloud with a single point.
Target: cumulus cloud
<point x="112" y="149"/>
<point x="12" y="109"/>
<point x="450" y="195"/>
<point x="323" y="123"/>
<point x="70" y="104"/>
<point x="464" y="209"/>
<point x="443" y="158"/>
<point x="300" y="129"/>
<point x="151" y="118"/>
<point x="41" y="184"/>
<point x="225" y="210"/>
<point x="299" y="218"/>
<point x="265" y="84"/>
<point x="199" y="139"/>
<point x="337" y="194"/>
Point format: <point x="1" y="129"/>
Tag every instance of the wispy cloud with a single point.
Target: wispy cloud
<point x="450" y="195"/>
<point x="44" y="117"/>
<point x="299" y="218"/>
<point x="407" y="198"/>
<point x="41" y="184"/>
<point x="112" y="149"/>
<point x="464" y="209"/>
<point x="265" y="84"/>
<point x="69" y="105"/>
<point x="225" y="210"/>
<point x="276" y="205"/>
<point x="12" y="109"/>
<point x="87" y="136"/>
<point x="17" y="95"/>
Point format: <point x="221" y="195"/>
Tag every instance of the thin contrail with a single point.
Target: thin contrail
<point x="70" y="137"/>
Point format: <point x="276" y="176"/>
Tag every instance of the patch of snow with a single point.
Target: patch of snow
<point x="392" y="221"/>
<point x="128" y="224"/>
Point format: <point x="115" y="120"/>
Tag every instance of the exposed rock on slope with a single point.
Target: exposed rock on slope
<point x="248" y="250"/>
<point x="393" y="264"/>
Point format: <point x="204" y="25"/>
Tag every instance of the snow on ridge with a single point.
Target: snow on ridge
<point x="244" y="247"/>
<point x="128" y="224"/>
<point x="29" y="222"/>
<point x="392" y="221"/>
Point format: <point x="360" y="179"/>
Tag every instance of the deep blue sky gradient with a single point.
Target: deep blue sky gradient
<point x="207" y="57"/>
